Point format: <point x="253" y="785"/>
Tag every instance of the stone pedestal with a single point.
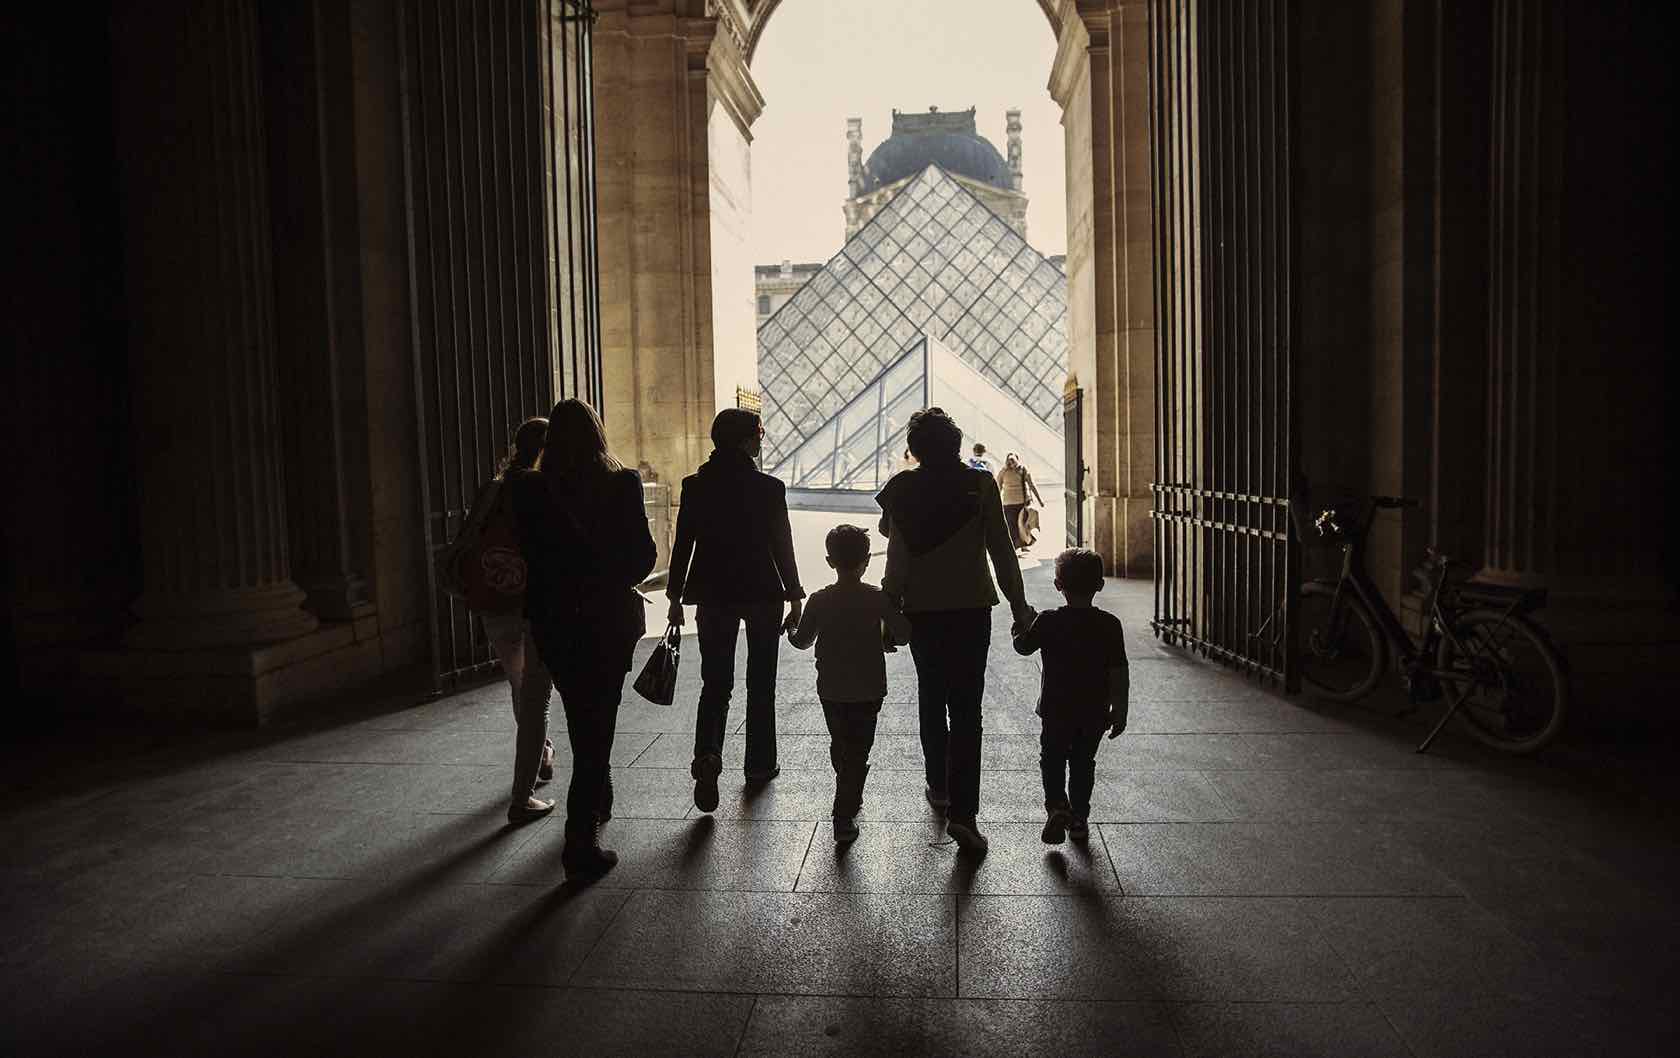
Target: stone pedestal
<point x="216" y="570"/>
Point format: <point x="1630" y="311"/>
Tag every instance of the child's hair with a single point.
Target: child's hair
<point x="848" y="546"/>
<point x="1079" y="571"/>
<point x="526" y="447"/>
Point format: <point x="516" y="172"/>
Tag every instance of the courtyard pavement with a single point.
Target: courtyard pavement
<point x="1265" y="877"/>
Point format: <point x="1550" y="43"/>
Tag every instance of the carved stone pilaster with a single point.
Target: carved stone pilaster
<point x="216" y="565"/>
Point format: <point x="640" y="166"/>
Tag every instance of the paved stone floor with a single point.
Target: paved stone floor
<point x="1267" y="878"/>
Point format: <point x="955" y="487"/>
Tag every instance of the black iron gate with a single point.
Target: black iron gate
<point x="498" y="139"/>
<point x="1226" y="566"/>
<point x="1073" y="464"/>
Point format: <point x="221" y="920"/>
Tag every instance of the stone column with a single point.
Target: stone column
<point x="1101" y="81"/>
<point x="1576" y="414"/>
<point x="201" y="332"/>
<point x="1526" y="202"/>
<point x="316" y="263"/>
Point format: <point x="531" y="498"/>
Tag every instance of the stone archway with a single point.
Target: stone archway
<point x="676" y="102"/>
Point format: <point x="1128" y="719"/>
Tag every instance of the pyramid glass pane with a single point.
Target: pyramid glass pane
<point x="933" y="261"/>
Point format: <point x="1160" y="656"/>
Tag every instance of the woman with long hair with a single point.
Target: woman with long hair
<point x="506" y="631"/>
<point x="584" y="535"/>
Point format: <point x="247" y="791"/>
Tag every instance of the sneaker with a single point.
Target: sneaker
<point x="939" y="799"/>
<point x="1078" y="829"/>
<point x="966" y="833"/>
<point x="759" y="778"/>
<point x="1056" y="827"/>
<point x="706" y="769"/>
<point x="845" y="829"/>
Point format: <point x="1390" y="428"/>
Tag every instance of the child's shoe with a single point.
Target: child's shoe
<point x="845" y="830"/>
<point x="1056" y="827"/>
<point x="1079" y="830"/>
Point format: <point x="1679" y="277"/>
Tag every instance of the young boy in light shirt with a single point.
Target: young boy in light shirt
<point x="852" y="624"/>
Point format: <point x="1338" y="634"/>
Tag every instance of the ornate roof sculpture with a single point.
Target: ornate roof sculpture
<point x="934" y="259"/>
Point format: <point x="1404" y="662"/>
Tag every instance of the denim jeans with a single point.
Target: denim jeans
<point x="718" y="627"/>
<point x="1067" y="750"/>
<point x="851" y="735"/>
<point x="531" y="713"/>
<point x="950" y="648"/>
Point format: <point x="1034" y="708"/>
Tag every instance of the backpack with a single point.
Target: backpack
<point x="483" y="566"/>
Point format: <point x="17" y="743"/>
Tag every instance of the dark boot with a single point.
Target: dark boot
<point x="605" y="811"/>
<point x="583" y="855"/>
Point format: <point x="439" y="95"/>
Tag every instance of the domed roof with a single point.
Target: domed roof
<point x="947" y="140"/>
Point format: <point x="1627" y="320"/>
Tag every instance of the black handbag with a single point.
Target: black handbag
<point x="658" y="680"/>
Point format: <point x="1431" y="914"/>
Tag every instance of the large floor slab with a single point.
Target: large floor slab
<point x="1265" y="876"/>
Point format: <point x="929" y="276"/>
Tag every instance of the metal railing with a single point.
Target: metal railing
<point x="499" y="175"/>
<point x="1226" y="561"/>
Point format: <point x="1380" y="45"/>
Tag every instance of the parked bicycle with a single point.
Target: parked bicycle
<point x="1497" y="670"/>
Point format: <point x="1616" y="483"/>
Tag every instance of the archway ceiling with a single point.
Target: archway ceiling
<point x="759" y="12"/>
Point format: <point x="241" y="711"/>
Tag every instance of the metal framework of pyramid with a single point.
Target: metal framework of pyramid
<point x="935" y="260"/>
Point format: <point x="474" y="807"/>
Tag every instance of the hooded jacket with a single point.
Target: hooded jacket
<point x="942" y="522"/>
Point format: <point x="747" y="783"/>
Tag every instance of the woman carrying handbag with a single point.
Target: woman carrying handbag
<point x="584" y="536"/>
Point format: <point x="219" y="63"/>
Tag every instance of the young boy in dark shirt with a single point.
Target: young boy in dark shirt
<point x="852" y="624"/>
<point x="1085" y="692"/>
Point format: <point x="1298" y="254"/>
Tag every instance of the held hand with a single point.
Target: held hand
<point x="1023" y="619"/>
<point x="796" y="610"/>
<point x="1116" y="723"/>
<point x="675" y="617"/>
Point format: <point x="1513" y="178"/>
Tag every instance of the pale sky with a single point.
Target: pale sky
<point x="823" y="61"/>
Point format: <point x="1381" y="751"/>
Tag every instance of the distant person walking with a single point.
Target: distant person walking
<point x="979" y="460"/>
<point x="943" y="521"/>
<point x="584" y="534"/>
<point x="733" y="559"/>
<point x="1015" y="482"/>
<point x="852" y="625"/>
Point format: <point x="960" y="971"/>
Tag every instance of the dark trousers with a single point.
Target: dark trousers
<point x="1067" y="758"/>
<point x="718" y="627"/>
<point x="1012" y="515"/>
<point x="851" y="735"/>
<point x="950" y="647"/>
<point x="588" y="672"/>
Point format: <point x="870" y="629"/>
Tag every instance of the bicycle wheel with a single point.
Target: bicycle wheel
<point x="1342" y="654"/>
<point x="1516" y="693"/>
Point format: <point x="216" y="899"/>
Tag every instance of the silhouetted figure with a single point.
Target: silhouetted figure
<point x="1017" y="489"/>
<point x="851" y="623"/>
<point x="733" y="559"/>
<point x="584" y="534"/>
<point x="1086" y="688"/>
<point x="506" y="629"/>
<point x="978" y="459"/>
<point x="943" y="520"/>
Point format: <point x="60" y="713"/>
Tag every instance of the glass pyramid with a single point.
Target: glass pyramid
<point x="934" y="261"/>
<point x="862" y="446"/>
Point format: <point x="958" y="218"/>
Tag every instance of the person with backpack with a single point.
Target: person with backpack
<point x="485" y="561"/>
<point x="583" y="532"/>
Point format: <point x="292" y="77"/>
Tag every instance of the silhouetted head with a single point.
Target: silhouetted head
<point x="527" y="445"/>
<point x="848" y="548"/>
<point x="1079" y="572"/>
<point x="979" y="450"/>
<point x="576" y="446"/>
<point x="737" y="430"/>
<point x="933" y="437"/>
